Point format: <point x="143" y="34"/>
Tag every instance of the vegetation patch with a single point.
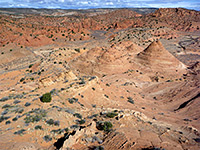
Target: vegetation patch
<point x="111" y="114"/>
<point x="20" y="132"/>
<point x="82" y="121"/>
<point x="2" y="118"/>
<point x="130" y="100"/>
<point x="72" y="100"/>
<point x="38" y="127"/>
<point x="52" y="122"/>
<point x="39" y="115"/>
<point x="46" y="98"/>
<point x="47" y="138"/>
<point x="78" y="115"/>
<point x="105" y="126"/>
<point x="60" y="131"/>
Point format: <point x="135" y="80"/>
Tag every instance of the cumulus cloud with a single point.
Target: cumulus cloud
<point x="72" y="4"/>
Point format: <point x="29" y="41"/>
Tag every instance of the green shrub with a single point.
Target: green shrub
<point x="46" y="98"/>
<point x="30" y="65"/>
<point x="32" y="118"/>
<point x="130" y="100"/>
<point x="77" y="50"/>
<point x="39" y="115"/>
<point x="50" y="122"/>
<point x="78" y="115"/>
<point x="20" y="132"/>
<point x="31" y="79"/>
<point x="82" y="121"/>
<point x="38" y="127"/>
<point x="105" y="126"/>
<point x="47" y="138"/>
<point x="111" y="114"/>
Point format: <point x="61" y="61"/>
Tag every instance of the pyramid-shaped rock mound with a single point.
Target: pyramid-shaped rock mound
<point x="156" y="56"/>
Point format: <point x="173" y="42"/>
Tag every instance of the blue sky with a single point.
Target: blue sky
<point x="84" y="4"/>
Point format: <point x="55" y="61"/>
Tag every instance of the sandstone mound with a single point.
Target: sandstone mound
<point x="105" y="60"/>
<point x="155" y="56"/>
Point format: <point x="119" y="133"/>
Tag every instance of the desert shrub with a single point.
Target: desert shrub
<point x="52" y="122"/>
<point x="111" y="114"/>
<point x="15" y="119"/>
<point x="2" y="118"/>
<point x="8" y="122"/>
<point x="47" y="138"/>
<point x="5" y="112"/>
<point x="72" y="100"/>
<point x="92" y="116"/>
<point x="93" y="105"/>
<point x="82" y="121"/>
<point x="30" y="65"/>
<point x="31" y="79"/>
<point x="57" y="123"/>
<point x="34" y="118"/>
<point x="4" y="99"/>
<point x="20" y="110"/>
<point x="169" y="81"/>
<point x="98" y="148"/>
<point x="20" y="132"/>
<point x="78" y="115"/>
<point x="130" y="100"/>
<point x="106" y="96"/>
<point x="77" y="50"/>
<point x="74" y="126"/>
<point x="6" y="106"/>
<point x="46" y="98"/>
<point x="38" y="127"/>
<point x="27" y="104"/>
<point x="105" y="126"/>
<point x="59" y="131"/>
<point x="39" y="114"/>
<point x="22" y="79"/>
<point x="107" y="84"/>
<point x="81" y="82"/>
<point x="16" y="101"/>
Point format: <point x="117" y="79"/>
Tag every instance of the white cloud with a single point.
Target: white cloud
<point x="109" y="3"/>
<point x="84" y="3"/>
